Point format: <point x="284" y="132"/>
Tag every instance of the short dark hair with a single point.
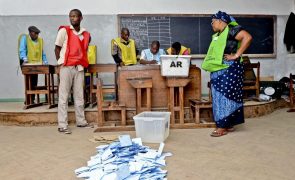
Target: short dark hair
<point x="155" y="43"/>
<point x="78" y="11"/>
<point x="125" y="29"/>
<point x="176" y="46"/>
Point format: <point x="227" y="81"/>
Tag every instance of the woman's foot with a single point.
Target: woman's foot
<point x="219" y="132"/>
<point x="230" y="129"/>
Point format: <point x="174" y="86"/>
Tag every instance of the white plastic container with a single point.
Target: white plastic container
<point x="152" y="127"/>
<point x="175" y="65"/>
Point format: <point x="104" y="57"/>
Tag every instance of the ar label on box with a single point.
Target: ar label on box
<point x="176" y="64"/>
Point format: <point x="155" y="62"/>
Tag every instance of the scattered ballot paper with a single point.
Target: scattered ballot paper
<point x="125" y="159"/>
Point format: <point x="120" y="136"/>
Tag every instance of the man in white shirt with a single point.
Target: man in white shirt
<point x="152" y="55"/>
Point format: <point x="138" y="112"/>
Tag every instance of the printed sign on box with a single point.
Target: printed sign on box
<point x="175" y="65"/>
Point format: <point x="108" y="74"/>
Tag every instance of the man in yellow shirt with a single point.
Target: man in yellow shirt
<point x="178" y="49"/>
<point x="30" y="51"/>
<point x="124" y="49"/>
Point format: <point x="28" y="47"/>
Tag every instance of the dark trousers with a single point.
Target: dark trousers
<point x="34" y="80"/>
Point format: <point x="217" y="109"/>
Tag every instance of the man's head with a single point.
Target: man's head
<point x="175" y="48"/>
<point x="33" y="32"/>
<point x="125" y="34"/>
<point x="75" y="17"/>
<point x="155" y="47"/>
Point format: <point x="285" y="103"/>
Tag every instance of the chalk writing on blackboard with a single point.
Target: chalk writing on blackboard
<point x="147" y="29"/>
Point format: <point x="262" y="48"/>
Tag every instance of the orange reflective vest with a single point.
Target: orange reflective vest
<point x="76" y="52"/>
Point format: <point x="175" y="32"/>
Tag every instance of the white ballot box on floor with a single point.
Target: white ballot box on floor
<point x="175" y="65"/>
<point x="152" y="127"/>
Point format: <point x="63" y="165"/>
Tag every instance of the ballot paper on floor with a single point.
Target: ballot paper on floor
<point x="127" y="159"/>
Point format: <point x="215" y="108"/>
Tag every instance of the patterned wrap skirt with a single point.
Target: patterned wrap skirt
<point x="227" y="95"/>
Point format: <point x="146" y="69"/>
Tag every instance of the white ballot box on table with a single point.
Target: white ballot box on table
<point x="175" y="65"/>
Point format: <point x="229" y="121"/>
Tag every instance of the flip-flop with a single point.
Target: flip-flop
<point x="231" y="129"/>
<point x="218" y="134"/>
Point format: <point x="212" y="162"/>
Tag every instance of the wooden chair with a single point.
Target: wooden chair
<point x="198" y="104"/>
<point x="103" y="106"/>
<point x="251" y="81"/>
<point x="111" y="88"/>
<point x="292" y="95"/>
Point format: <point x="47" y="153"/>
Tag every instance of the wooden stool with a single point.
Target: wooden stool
<point x="199" y="104"/>
<point x="48" y="89"/>
<point x="139" y="84"/>
<point x="175" y="104"/>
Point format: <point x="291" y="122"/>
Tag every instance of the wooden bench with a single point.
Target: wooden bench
<point x="198" y="104"/>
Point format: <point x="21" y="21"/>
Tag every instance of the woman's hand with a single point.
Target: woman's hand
<point x="230" y="57"/>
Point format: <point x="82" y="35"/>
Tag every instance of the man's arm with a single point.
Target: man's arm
<point x="144" y="60"/>
<point x="23" y="49"/>
<point x="137" y="52"/>
<point x="60" y="38"/>
<point x="115" y="53"/>
<point x="57" y="52"/>
<point x="44" y="59"/>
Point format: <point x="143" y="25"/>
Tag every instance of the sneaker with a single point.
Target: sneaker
<point x="86" y="126"/>
<point x="64" y="130"/>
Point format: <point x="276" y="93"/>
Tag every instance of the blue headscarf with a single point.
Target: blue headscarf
<point x="223" y="16"/>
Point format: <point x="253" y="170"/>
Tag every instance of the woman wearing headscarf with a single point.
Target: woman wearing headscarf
<point x="224" y="61"/>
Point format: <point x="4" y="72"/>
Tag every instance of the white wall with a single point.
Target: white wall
<point x="61" y="7"/>
<point x="101" y="21"/>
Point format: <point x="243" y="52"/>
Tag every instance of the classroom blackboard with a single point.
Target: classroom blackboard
<point x="195" y="31"/>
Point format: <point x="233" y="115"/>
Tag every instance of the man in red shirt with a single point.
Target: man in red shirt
<point x="71" y="53"/>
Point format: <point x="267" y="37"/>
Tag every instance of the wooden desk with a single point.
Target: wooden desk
<point x="47" y="89"/>
<point x="127" y="94"/>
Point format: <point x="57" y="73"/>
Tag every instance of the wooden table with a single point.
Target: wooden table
<point x="48" y="89"/>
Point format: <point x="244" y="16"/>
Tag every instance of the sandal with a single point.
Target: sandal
<point x="231" y="129"/>
<point x="218" y="133"/>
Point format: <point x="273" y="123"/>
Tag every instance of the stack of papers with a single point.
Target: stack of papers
<point x="126" y="159"/>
